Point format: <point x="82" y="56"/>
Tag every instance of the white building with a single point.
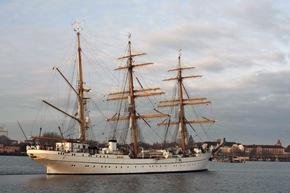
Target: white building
<point x="3" y="131"/>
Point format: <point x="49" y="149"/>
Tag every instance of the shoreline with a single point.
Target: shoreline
<point x="13" y="154"/>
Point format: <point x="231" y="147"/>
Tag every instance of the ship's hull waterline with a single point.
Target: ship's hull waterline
<point x="85" y="163"/>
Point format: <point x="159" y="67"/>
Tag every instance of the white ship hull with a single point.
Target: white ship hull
<point x="83" y="163"/>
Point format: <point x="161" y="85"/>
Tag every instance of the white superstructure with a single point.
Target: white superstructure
<point x="110" y="161"/>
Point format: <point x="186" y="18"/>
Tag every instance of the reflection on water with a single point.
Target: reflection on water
<point x="120" y="183"/>
<point x="24" y="175"/>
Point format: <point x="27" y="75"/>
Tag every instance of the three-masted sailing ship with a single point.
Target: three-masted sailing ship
<point x="76" y="156"/>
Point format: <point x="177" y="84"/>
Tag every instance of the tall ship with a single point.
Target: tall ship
<point x="80" y="155"/>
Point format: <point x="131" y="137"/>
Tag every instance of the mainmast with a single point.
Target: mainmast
<point x="132" y="110"/>
<point x="181" y="106"/>
<point x="181" y="102"/>
<point x="131" y="94"/>
<point x="81" y="101"/>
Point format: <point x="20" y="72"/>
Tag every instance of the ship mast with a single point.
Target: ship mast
<point x="181" y="102"/>
<point x="81" y="119"/>
<point x="132" y="94"/>
<point x="132" y="110"/>
<point x="81" y="101"/>
<point x="181" y="106"/>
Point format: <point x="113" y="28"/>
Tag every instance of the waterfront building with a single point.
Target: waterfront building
<point x="3" y="131"/>
<point x="263" y="152"/>
<point x="9" y="149"/>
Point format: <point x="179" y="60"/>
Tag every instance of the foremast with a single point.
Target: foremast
<point x="131" y="94"/>
<point x="181" y="102"/>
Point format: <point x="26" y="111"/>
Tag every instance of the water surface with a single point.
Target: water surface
<point x="21" y="174"/>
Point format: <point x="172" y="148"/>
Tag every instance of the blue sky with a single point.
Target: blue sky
<point x="241" y="48"/>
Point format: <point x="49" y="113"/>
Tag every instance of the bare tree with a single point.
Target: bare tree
<point x="5" y="140"/>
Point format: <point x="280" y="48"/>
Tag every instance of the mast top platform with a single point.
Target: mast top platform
<point x="77" y="25"/>
<point x="179" y="52"/>
<point x="129" y="36"/>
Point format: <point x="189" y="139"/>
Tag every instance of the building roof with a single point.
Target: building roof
<point x="287" y="149"/>
<point x="279" y="143"/>
<point x="262" y="146"/>
<point x="227" y="144"/>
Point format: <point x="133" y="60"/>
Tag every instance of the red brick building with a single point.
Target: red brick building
<point x="9" y="149"/>
<point x="265" y="151"/>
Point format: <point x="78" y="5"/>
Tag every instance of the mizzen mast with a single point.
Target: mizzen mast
<point x="81" y="119"/>
<point x="81" y="100"/>
<point x="181" y="102"/>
